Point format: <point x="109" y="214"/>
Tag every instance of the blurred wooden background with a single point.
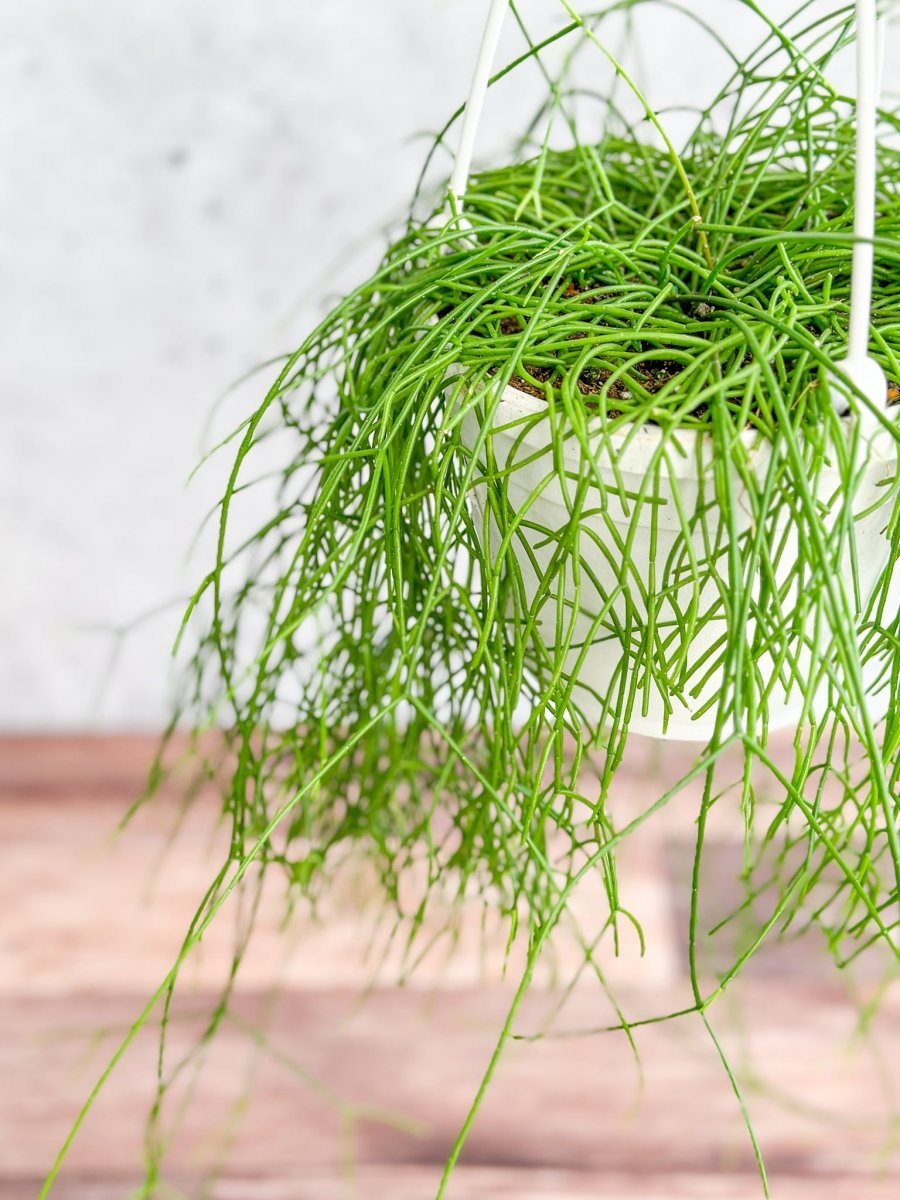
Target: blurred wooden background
<point x="359" y="1091"/>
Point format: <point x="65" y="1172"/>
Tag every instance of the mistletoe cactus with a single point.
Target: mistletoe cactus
<point x="579" y="462"/>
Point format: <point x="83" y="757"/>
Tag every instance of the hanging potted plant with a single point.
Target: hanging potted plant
<point x="605" y="446"/>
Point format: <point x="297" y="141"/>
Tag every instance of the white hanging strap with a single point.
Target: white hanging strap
<point x="867" y="81"/>
<point x="475" y="102"/>
<point x="859" y="366"/>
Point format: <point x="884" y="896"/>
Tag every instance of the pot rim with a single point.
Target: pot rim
<point x="634" y="444"/>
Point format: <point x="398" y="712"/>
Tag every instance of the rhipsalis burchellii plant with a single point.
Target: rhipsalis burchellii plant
<point x="569" y="467"/>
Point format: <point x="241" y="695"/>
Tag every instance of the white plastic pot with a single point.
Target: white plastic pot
<point x="596" y="591"/>
<point x="621" y="466"/>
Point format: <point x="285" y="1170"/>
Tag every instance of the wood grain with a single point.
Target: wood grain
<point x="359" y="1090"/>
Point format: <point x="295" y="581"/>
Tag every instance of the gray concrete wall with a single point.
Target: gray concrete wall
<point x="177" y="178"/>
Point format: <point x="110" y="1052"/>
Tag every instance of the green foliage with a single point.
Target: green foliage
<point x="369" y="649"/>
<point x="390" y="655"/>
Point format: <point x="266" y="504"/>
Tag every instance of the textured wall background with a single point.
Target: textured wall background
<point x="178" y="178"/>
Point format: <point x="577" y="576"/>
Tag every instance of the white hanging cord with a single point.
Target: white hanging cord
<point x="475" y="103"/>
<point x="867" y="82"/>
<point x="859" y="367"/>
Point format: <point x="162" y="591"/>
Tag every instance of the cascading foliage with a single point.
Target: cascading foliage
<point x="389" y="657"/>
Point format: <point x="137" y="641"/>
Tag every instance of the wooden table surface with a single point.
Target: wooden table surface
<point x="357" y="1089"/>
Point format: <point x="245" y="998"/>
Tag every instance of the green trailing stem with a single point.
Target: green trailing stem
<point x="376" y="658"/>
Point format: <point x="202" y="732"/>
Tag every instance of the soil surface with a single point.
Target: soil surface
<point x="591" y="383"/>
<point x="651" y="375"/>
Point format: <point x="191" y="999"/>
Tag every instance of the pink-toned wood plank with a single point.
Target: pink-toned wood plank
<point x="498" y="1183"/>
<point x="560" y="1104"/>
<point x="93" y="911"/>
<point x="67" y="766"/>
<point x="83" y="942"/>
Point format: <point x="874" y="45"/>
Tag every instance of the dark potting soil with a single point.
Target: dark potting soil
<point x="651" y="375"/>
<point x="590" y="382"/>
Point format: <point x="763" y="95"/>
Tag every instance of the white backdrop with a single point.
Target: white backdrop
<point x="177" y="178"/>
